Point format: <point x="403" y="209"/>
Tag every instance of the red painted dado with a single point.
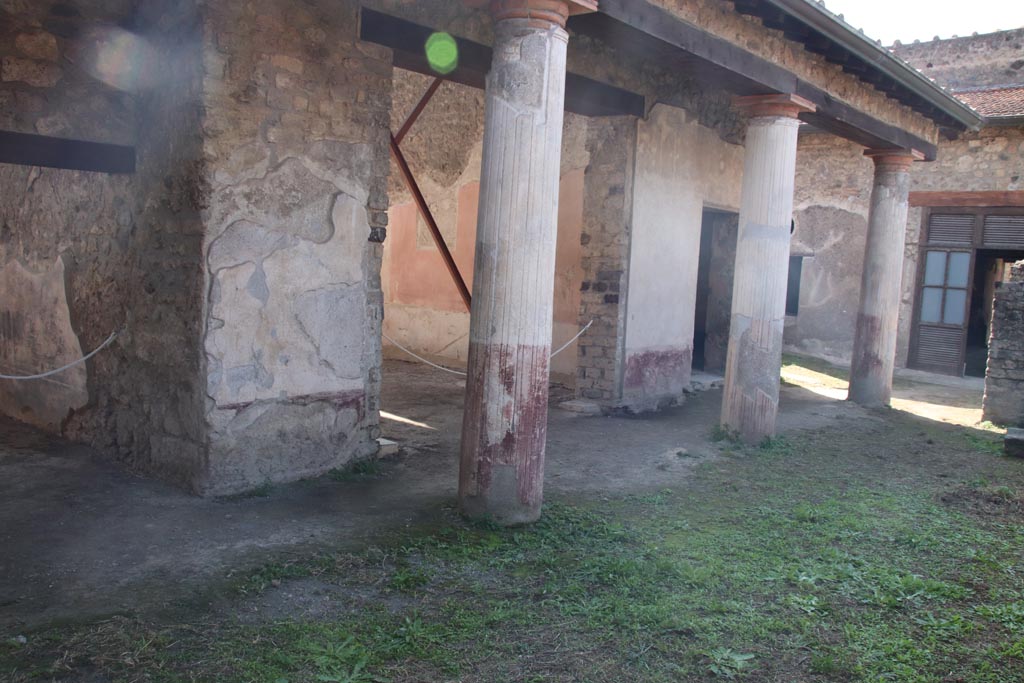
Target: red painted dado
<point x="416" y="276"/>
<point x="512" y="461"/>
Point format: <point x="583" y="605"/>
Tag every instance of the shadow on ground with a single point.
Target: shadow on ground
<point x="82" y="537"/>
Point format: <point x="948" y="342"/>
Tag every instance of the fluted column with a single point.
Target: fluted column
<point x="751" y="398"/>
<point x="504" y="426"/>
<point x="874" y="346"/>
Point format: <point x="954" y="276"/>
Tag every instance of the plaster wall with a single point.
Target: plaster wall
<point x="423" y="309"/>
<point x="681" y="168"/>
<point x="295" y="156"/>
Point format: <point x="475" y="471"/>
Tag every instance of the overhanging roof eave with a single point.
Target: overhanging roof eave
<point x="819" y="18"/>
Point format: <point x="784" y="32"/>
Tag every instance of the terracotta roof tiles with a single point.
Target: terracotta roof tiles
<point x="995" y="102"/>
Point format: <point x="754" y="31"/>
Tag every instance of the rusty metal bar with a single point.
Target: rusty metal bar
<point x="417" y="110"/>
<point x="428" y="218"/>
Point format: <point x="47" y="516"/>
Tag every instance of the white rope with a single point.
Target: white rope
<point x="42" y="375"/>
<point x="578" y="335"/>
<point x="462" y="374"/>
<point x="421" y="358"/>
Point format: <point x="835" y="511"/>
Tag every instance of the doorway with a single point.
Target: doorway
<point x="964" y="256"/>
<point x="713" y="308"/>
<point x="990" y="270"/>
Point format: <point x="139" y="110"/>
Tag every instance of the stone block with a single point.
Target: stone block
<point x="35" y="73"/>
<point x="1014" y="442"/>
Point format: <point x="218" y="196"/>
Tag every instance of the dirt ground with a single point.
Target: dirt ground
<point x="80" y="537"/>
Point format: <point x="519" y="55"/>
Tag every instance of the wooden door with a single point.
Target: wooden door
<point x="941" y="315"/>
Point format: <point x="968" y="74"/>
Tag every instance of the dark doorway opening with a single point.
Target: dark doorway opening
<point x="991" y="268"/>
<point x="713" y="308"/>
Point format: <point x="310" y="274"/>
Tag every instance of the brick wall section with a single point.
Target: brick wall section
<point x="1004" y="380"/>
<point x="607" y="207"/>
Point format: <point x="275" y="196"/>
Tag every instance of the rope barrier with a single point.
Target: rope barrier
<point x="563" y="347"/>
<point x="43" y="375"/>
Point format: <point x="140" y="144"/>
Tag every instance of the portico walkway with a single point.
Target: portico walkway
<point x="81" y="537"/>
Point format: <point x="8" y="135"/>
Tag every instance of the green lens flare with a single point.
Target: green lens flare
<point x="442" y="53"/>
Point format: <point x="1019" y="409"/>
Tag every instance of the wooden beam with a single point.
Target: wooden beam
<point x="972" y="199"/>
<point x="26" y="149"/>
<point x="583" y="95"/>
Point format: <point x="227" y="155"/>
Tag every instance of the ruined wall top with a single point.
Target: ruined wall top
<point x="980" y="61"/>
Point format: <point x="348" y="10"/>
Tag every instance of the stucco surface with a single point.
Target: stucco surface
<point x="36" y="332"/>
<point x="295" y="151"/>
<point x="681" y="167"/>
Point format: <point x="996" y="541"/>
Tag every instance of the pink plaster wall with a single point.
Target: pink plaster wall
<point x="415" y="276"/>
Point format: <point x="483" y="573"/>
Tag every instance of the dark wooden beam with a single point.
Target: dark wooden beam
<point x="582" y="95"/>
<point x="26" y="149"/>
<point x="739" y="71"/>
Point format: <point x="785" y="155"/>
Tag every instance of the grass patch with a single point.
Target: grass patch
<point x="840" y="555"/>
<point x="360" y="470"/>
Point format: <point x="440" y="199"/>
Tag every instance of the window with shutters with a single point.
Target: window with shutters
<point x="944" y="228"/>
<point x="1003" y="231"/>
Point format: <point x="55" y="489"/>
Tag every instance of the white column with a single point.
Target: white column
<point x="874" y="346"/>
<point x="504" y="426"/>
<point x="751" y="399"/>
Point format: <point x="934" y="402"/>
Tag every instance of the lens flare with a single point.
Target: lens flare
<point x="120" y="59"/>
<point x="442" y="53"/>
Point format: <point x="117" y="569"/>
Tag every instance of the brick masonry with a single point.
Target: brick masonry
<point x="607" y="211"/>
<point x="1004" y="380"/>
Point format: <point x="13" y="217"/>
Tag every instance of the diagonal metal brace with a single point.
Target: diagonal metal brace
<point x="420" y="200"/>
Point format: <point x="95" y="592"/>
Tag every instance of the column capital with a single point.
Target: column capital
<point x="894" y="159"/>
<point x="541" y="12"/>
<point x="774" y="105"/>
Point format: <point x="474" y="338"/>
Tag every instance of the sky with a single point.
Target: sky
<point x="905" y="20"/>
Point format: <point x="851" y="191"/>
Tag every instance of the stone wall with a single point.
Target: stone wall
<point x="158" y="419"/>
<point x="238" y="258"/>
<point x="970" y="62"/>
<point x="833" y="192"/>
<point x="1004" y="379"/>
<point x="66" y="237"/>
<point x="57" y="75"/>
<point x="296" y="122"/>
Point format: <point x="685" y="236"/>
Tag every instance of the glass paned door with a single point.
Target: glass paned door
<point x="942" y="310"/>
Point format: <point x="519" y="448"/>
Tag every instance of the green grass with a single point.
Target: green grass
<point x="830" y="556"/>
<point x="360" y="470"/>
